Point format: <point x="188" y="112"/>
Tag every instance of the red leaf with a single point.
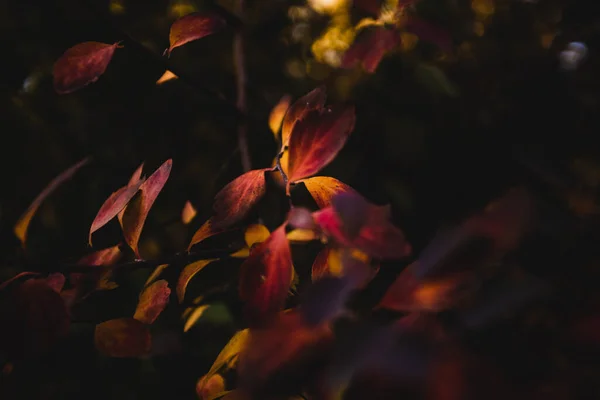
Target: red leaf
<point x="56" y="281"/>
<point x="153" y="301"/>
<point x="113" y="206"/>
<point x="237" y="198"/>
<point x="22" y="224"/>
<point x="314" y="100"/>
<point x="136" y="212"/>
<point x="316" y="140"/>
<point x="135" y="180"/>
<point x="428" y="32"/>
<point x="81" y="65"/>
<point x="123" y="337"/>
<point x="266" y="276"/>
<point x="370" y="46"/>
<point x="206" y="230"/>
<point x="324" y="188"/>
<point x="192" y="27"/>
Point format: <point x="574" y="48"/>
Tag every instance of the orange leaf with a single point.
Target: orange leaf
<point x="314" y="100"/>
<point x="167" y="76"/>
<point x="153" y="301"/>
<point x="155" y="274"/>
<point x="316" y="140"/>
<point x="370" y="46"/>
<point x="237" y="198"/>
<point x="206" y="230"/>
<point x="123" y="338"/>
<point x="266" y="275"/>
<point x="136" y="213"/>
<point x="81" y="65"/>
<point x="192" y="27"/>
<point x="323" y="188"/>
<point x="22" y="224"/>
<point x="188" y="213"/>
<point x="277" y="114"/>
<point x="187" y="274"/>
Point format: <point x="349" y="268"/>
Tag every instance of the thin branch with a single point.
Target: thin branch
<point x="279" y="168"/>
<point x="240" y="74"/>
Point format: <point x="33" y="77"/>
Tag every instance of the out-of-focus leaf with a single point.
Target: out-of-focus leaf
<point x="256" y="233"/>
<point x="192" y="27"/>
<point x="187" y="274"/>
<point x="302" y="235"/>
<point x="194" y="317"/>
<point x="321" y="266"/>
<point x="56" y="281"/>
<point x="266" y="276"/>
<point x="237" y="198"/>
<point x="316" y="140"/>
<point x="107" y="256"/>
<point x="228" y="356"/>
<point x="312" y="101"/>
<point x="206" y="230"/>
<point x="301" y="218"/>
<point x="153" y="301"/>
<point x="435" y="80"/>
<point x="167" y="76"/>
<point x="81" y="65"/>
<point x="188" y="213"/>
<point x="370" y="46"/>
<point x="323" y="188"/>
<point x="428" y="32"/>
<point x="155" y="274"/>
<point x="16" y="278"/>
<point x="123" y="338"/>
<point x="136" y="212"/>
<point x="208" y="388"/>
<point x="277" y="114"/>
<point x="22" y="224"/>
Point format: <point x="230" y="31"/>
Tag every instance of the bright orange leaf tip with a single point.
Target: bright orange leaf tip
<point x="187" y="274"/>
<point x="153" y="301"/>
<point x="266" y="276"/>
<point x="355" y="223"/>
<point x="81" y="65"/>
<point x="277" y="114"/>
<point x="123" y="338"/>
<point x="167" y="76"/>
<point x="192" y="27"/>
<point x="22" y="224"/>
<point x="188" y="213"/>
<point x="314" y="100"/>
<point x="136" y="212"/>
<point x="316" y="139"/>
<point x="324" y="188"/>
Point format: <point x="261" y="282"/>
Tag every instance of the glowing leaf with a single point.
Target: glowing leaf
<point x="153" y="301"/>
<point x="370" y="46"/>
<point x="323" y="188"/>
<point x="188" y="213"/>
<point x="302" y="235"/>
<point x="194" y="317"/>
<point x="229" y="353"/>
<point x="187" y="274"/>
<point x="123" y="338"/>
<point x="277" y="114"/>
<point x="192" y="27"/>
<point x="314" y="100"/>
<point x="167" y="76"/>
<point x="316" y="140"/>
<point x="237" y="198"/>
<point x="206" y="230"/>
<point x="136" y="212"/>
<point x="208" y="388"/>
<point x="22" y="224"/>
<point x="256" y="233"/>
<point x="266" y="275"/>
<point x="81" y="65"/>
<point x="155" y="274"/>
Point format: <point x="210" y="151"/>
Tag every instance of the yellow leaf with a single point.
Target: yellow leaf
<point x="408" y="41"/>
<point x="277" y="114"/>
<point x="301" y="235"/>
<point x="230" y="352"/>
<point x="187" y="274"/>
<point x="194" y="316"/>
<point x="155" y="274"/>
<point x="334" y="262"/>
<point x="244" y="252"/>
<point x="324" y="188"/>
<point x="188" y="213"/>
<point x="167" y="76"/>
<point x="284" y="165"/>
<point x="256" y="233"/>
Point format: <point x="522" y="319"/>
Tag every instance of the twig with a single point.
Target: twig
<point x="240" y="74"/>
<point x="280" y="169"/>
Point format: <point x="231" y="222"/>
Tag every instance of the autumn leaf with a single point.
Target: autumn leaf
<point x="208" y="388"/>
<point x="321" y="266"/>
<point x="229" y="353"/>
<point x="194" y="316"/>
<point x="237" y="198"/>
<point x="192" y="27"/>
<point x="155" y="274"/>
<point x="277" y="114"/>
<point x="107" y="256"/>
<point x="167" y="76"/>
<point x="188" y="213"/>
<point x="316" y="140"/>
<point x="136" y="180"/>
<point x="314" y="100"/>
<point x="370" y="46"/>
<point x="123" y="338"/>
<point x="153" y="301"/>
<point x="22" y="224"/>
<point x="206" y="230"/>
<point x="187" y="274"/>
<point x="266" y="276"/>
<point x="256" y="233"/>
<point x="324" y="188"/>
<point x="136" y="212"/>
<point x="81" y="65"/>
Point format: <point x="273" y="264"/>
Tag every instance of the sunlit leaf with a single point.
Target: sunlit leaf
<point x="187" y="274"/>
<point x="188" y="213"/>
<point x="153" y="301"/>
<point x="323" y="188"/>
<point x="194" y="317"/>
<point x="136" y="212"/>
<point x="206" y="230"/>
<point x="155" y="274"/>
<point x="167" y="76"/>
<point x="266" y="275"/>
<point x="192" y="27"/>
<point x="277" y="114"/>
<point x="316" y="140"/>
<point x="370" y="46"/>
<point x="314" y="100"/>
<point x="22" y="224"/>
<point x="237" y="198"/>
<point x="302" y="235"/>
<point x="256" y="233"/>
<point x="81" y="65"/>
<point x="230" y="352"/>
<point x="123" y="338"/>
<point x="207" y="388"/>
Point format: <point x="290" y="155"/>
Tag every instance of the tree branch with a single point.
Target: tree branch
<point x="240" y="74"/>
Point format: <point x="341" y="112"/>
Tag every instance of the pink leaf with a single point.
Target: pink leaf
<point x="81" y="65"/>
<point x="136" y="180"/>
<point x="192" y="27"/>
